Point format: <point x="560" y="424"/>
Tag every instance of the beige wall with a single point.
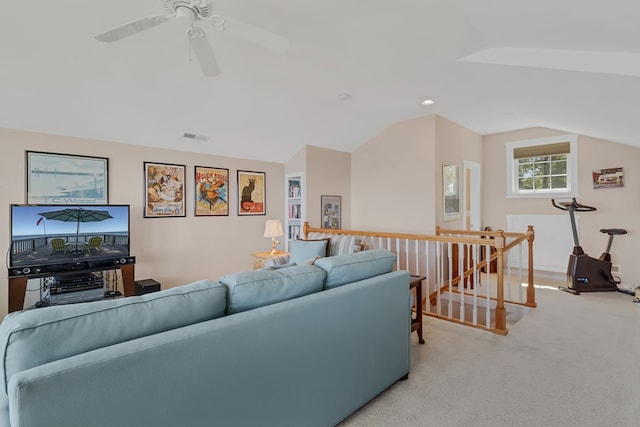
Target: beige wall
<point x="174" y="251"/>
<point x="392" y="179"/>
<point x="328" y="173"/>
<point x="454" y="144"/>
<point x="397" y="176"/>
<point x="617" y="207"/>
<point x="298" y="163"/>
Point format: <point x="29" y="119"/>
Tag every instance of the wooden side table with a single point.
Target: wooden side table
<point x="415" y="282"/>
<point x="260" y="258"/>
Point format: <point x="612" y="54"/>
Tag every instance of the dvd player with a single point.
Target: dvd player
<point x="76" y="297"/>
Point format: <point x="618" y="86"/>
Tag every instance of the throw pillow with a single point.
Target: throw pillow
<point x="327" y="239"/>
<point x="304" y="250"/>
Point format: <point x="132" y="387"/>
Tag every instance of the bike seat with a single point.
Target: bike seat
<point x="613" y="231"/>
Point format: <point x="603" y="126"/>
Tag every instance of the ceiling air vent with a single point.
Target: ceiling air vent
<point x="195" y="136"/>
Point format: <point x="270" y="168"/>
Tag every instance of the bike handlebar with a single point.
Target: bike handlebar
<point x="573" y="205"/>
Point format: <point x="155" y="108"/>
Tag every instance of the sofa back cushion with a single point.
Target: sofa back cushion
<point x="339" y="244"/>
<point x="34" y="337"/>
<point x="252" y="289"/>
<point x="345" y="269"/>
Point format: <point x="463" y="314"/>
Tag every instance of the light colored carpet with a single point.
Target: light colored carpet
<point x="573" y="361"/>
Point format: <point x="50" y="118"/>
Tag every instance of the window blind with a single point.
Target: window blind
<point x="542" y="150"/>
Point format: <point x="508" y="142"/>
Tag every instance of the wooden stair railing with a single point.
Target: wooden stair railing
<point x="429" y="252"/>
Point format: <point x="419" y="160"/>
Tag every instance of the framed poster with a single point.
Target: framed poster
<point x="450" y="192"/>
<point x="608" y="178"/>
<point x="331" y="211"/>
<point x="212" y="191"/>
<point x="164" y="190"/>
<point x="251" y="193"/>
<point x="63" y="179"/>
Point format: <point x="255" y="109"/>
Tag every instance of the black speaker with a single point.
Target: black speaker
<point x="146" y="286"/>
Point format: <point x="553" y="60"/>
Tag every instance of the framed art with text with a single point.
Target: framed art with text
<point x="164" y="190"/>
<point x="251" y="193"/>
<point x="212" y="191"/>
<point x="63" y="179"/>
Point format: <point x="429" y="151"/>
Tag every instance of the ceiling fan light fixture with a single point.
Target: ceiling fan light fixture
<point x="200" y="7"/>
<point x="188" y="12"/>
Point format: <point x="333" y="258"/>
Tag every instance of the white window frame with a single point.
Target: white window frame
<point x="572" y="168"/>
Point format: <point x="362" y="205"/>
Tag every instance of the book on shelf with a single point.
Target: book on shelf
<point x="295" y="211"/>
<point x="294" y="232"/>
<point x="294" y="189"/>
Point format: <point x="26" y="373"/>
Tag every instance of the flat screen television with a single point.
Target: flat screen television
<point x="47" y="238"/>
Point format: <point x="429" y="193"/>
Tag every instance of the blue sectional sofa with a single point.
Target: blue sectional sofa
<point x="301" y="346"/>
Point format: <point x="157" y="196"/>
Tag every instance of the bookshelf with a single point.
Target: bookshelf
<point x="295" y="207"/>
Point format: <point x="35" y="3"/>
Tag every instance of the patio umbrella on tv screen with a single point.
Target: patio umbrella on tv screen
<point x="77" y="215"/>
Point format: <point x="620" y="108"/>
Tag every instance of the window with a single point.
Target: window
<point x="545" y="167"/>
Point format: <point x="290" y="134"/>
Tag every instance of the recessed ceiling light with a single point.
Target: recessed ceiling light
<point x="428" y="102"/>
<point x="344" y="96"/>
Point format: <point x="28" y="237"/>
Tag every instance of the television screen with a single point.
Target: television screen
<point x="61" y="234"/>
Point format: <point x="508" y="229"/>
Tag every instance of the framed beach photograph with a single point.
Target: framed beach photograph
<point x="164" y="190"/>
<point x="331" y="211"/>
<point x="212" y="191"/>
<point x="63" y="179"/>
<point x="251" y="193"/>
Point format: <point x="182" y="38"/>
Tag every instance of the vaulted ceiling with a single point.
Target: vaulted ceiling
<point x="491" y="66"/>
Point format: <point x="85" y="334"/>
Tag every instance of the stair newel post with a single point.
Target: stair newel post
<point x="501" y="312"/>
<point x="531" y="290"/>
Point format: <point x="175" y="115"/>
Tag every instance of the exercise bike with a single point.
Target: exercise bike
<point x="584" y="273"/>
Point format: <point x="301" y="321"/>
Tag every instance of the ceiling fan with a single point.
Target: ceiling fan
<point x="188" y="12"/>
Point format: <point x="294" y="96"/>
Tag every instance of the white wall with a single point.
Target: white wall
<point x="173" y="251"/>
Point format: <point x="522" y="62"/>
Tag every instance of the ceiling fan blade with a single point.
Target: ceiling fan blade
<point x="131" y="28"/>
<point x="203" y="51"/>
<point x="250" y="33"/>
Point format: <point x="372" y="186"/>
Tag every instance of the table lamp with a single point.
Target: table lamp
<point x="273" y="229"/>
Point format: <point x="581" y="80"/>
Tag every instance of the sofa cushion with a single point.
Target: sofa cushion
<point x="306" y="250"/>
<point x="34" y="337"/>
<point x="345" y="269"/>
<point x="252" y="289"/>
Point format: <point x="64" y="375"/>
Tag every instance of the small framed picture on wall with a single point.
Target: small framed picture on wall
<point x="212" y="191"/>
<point x="251" y="193"/>
<point x="331" y="211"/>
<point x="163" y="190"/>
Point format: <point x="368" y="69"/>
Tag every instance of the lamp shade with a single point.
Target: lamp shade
<point x="273" y="228"/>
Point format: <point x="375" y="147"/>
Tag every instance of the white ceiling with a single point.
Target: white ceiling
<point x="491" y="66"/>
